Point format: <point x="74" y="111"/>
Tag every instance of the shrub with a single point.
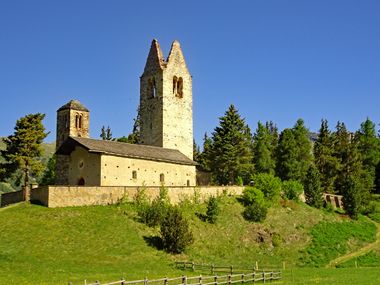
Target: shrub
<point x="268" y="184"/>
<point x="152" y="215"/>
<point x="175" y="231"/>
<point x="292" y="189"/>
<point x="212" y="210"/>
<point x="251" y="195"/>
<point x="255" y="212"/>
<point x="239" y="181"/>
<point x="140" y="198"/>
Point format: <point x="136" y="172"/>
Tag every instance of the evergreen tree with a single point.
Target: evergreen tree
<point x="377" y="179"/>
<point x="369" y="150"/>
<point x="196" y="152"/>
<point x="352" y="196"/>
<point x="304" y="148"/>
<point x="288" y="166"/>
<point x="48" y="176"/>
<point x="205" y="156"/>
<point x="231" y="149"/>
<point x="106" y="134"/>
<point x="273" y="132"/>
<point x="262" y="150"/>
<point x="312" y="188"/>
<point x="325" y="161"/>
<point x="23" y="148"/>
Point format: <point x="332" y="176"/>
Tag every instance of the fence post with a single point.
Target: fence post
<point x="166" y="281"/>
<point x="271" y="277"/>
<point x="242" y="278"/>
<point x="146" y="280"/>
<point x="229" y="279"/>
<point x="263" y="276"/>
<point x="200" y="280"/>
<point x="231" y="269"/>
<point x="212" y="269"/>
<point x="184" y="280"/>
<point x="193" y="266"/>
<point x="257" y="265"/>
<point x="122" y="281"/>
<point x="216" y="280"/>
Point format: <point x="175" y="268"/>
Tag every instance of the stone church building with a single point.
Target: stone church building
<point x="165" y="152"/>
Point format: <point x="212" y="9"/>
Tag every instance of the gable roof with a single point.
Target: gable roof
<point x="126" y="150"/>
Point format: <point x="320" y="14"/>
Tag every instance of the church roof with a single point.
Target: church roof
<point x="75" y="105"/>
<point x="126" y="150"/>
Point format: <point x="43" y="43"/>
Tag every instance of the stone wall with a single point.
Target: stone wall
<point x="65" y="196"/>
<point x="11" y="198"/>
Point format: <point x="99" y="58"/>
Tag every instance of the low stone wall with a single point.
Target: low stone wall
<point x="65" y="196"/>
<point x="12" y="197"/>
<point x="335" y="200"/>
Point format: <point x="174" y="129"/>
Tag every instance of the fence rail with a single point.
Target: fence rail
<point x="222" y="269"/>
<point x="229" y="279"/>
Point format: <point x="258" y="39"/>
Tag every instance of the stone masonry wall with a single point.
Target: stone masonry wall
<point x="65" y="196"/>
<point x="11" y="198"/>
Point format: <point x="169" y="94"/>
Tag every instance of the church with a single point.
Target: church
<point x="164" y="155"/>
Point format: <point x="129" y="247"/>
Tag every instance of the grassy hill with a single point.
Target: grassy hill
<point x="39" y="245"/>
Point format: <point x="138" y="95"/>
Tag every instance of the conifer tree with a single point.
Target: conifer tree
<point x="369" y="149"/>
<point x="288" y="166"/>
<point x="23" y="148"/>
<point x="206" y="154"/>
<point x="312" y="188"/>
<point x="231" y="155"/>
<point x="325" y="161"/>
<point x="273" y="132"/>
<point x="106" y="134"/>
<point x="304" y="147"/>
<point x="262" y="150"/>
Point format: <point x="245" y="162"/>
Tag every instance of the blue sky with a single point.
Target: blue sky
<point x="274" y="60"/>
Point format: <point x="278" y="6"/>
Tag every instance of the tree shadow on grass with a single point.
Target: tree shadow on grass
<point x="202" y="217"/>
<point x="154" y="241"/>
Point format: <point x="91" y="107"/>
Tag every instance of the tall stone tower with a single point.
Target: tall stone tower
<point x="166" y="103"/>
<point x="73" y="120"/>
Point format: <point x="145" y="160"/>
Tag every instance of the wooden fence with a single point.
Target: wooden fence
<point x="228" y="279"/>
<point x="213" y="269"/>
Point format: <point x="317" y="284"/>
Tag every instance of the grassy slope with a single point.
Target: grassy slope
<point x="53" y="246"/>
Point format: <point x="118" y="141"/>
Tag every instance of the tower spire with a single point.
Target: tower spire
<point x="155" y="60"/>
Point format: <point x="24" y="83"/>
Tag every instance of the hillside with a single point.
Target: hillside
<point x="54" y="246"/>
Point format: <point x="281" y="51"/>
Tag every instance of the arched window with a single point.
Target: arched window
<point x="175" y="80"/>
<point x="162" y="177"/>
<point x="81" y="181"/>
<point x="178" y="86"/>
<point x="80" y="121"/>
<point x="151" y="90"/>
<point x="77" y="121"/>
<point x="134" y="174"/>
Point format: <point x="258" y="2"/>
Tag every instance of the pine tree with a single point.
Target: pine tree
<point x="262" y="150"/>
<point x="273" y="132"/>
<point x="352" y="196"/>
<point x="231" y="149"/>
<point x="304" y="147"/>
<point x="288" y="166"/>
<point x="312" y="188"/>
<point x="369" y="149"/>
<point x="196" y="152"/>
<point x="325" y="161"/>
<point x="23" y="148"/>
<point x="206" y="154"/>
<point x="106" y="134"/>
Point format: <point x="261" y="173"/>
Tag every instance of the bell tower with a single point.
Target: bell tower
<point x="166" y="103"/>
<point x="73" y="120"/>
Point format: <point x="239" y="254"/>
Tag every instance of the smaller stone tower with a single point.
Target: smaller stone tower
<point x="73" y="120"/>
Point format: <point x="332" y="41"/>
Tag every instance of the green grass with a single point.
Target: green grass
<point x="329" y="240"/>
<point x="39" y="245"/>
<point x="331" y="276"/>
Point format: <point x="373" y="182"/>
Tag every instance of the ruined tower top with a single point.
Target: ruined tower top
<point x="166" y="101"/>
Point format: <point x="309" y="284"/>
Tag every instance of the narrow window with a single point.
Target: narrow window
<point x="80" y="121"/>
<point x="81" y="181"/>
<point x="151" y="90"/>
<point x="188" y="183"/>
<point x="134" y="174"/>
<point x="162" y="177"/>
<point x="76" y="121"/>
<point x="180" y="87"/>
<point x="175" y="85"/>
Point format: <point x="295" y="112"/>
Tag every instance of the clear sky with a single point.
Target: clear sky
<point x="274" y="60"/>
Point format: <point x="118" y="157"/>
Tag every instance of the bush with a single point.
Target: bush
<point x="212" y="210"/>
<point x="239" y="181"/>
<point x="292" y="189"/>
<point x="255" y="212"/>
<point x="252" y="195"/>
<point x="268" y="184"/>
<point x="175" y="231"/>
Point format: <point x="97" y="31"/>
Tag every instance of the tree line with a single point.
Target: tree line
<point x="337" y="162"/>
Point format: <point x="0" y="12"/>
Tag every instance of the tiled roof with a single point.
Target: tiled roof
<point x="75" y="105"/>
<point x="126" y="150"/>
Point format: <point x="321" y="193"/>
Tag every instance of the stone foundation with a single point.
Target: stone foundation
<point x="66" y="196"/>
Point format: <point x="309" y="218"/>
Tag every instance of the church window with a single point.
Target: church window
<point x="162" y="177"/>
<point x="78" y="121"/>
<point x="188" y="183"/>
<point x="178" y="86"/>
<point x="152" y="92"/>
<point x="134" y="174"/>
<point x="81" y="181"/>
